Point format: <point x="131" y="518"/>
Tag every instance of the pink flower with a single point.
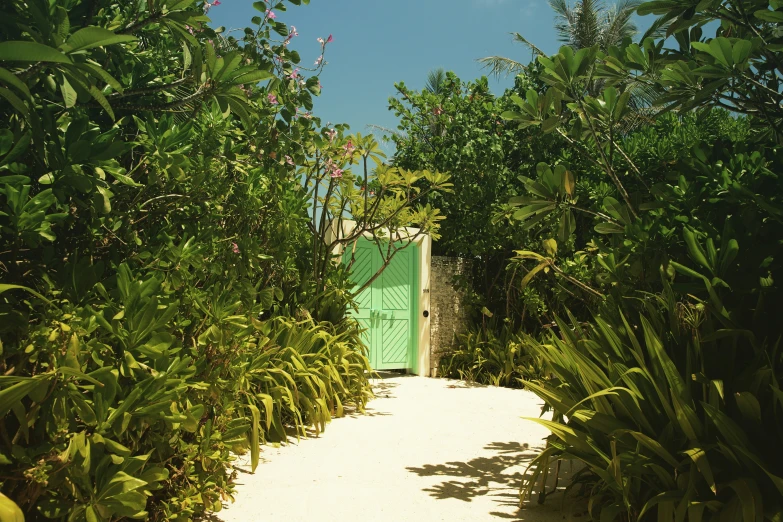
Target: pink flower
<point x="330" y="39"/>
<point x="319" y="60"/>
<point x="271" y="15"/>
<point x="216" y="2"/>
<point x="320" y="40"/>
<point x="437" y="111"/>
<point x="336" y="173"/>
<point x="293" y="32"/>
<point x="332" y="134"/>
<point x="289" y="160"/>
<point x="348" y="148"/>
<point x="190" y="29"/>
<point x="235" y="248"/>
<point x="308" y="115"/>
<point x="272" y="98"/>
<point x="294" y="74"/>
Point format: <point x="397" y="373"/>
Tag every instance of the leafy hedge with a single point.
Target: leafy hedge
<point x="155" y="233"/>
<point x="648" y="257"/>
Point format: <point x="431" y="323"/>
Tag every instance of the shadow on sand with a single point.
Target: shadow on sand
<point x="500" y="476"/>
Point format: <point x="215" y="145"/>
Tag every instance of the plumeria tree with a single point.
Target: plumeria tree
<point x="347" y="180"/>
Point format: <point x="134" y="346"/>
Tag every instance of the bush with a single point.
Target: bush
<point x="154" y="236"/>
<point x="483" y="357"/>
<point x="670" y="412"/>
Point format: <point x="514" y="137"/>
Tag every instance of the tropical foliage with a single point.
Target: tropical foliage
<point x="648" y="243"/>
<point x="483" y="357"/>
<point x="168" y="298"/>
<point x="584" y="24"/>
<point x="671" y="397"/>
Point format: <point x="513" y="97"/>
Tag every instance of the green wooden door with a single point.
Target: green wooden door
<point x="387" y="308"/>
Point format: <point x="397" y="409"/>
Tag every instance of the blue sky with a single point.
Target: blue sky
<point x="380" y="42"/>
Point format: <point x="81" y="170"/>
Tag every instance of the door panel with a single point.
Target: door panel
<point x="387" y="309"/>
<point x="395" y="343"/>
<point x="396" y="284"/>
<point x="364" y="267"/>
<point x="395" y="331"/>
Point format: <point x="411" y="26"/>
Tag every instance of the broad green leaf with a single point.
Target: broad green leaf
<point x="749" y="406"/>
<point x="776" y="17"/>
<point x="699" y="457"/>
<point x="695" y="249"/>
<point x="609" y="228"/>
<point x="14" y="100"/>
<point x="11" y="80"/>
<point x="17" y="51"/>
<point x="9" y="511"/>
<point x="90" y="37"/>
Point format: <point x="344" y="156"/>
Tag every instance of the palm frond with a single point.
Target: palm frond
<point x="387" y="130"/>
<point x="657" y="30"/>
<point x="436" y="81"/>
<point x="565" y="20"/>
<point x="521" y="39"/>
<point x="500" y="66"/>
<point x="618" y="24"/>
<point x="586" y="31"/>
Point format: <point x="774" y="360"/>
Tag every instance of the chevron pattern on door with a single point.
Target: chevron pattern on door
<point x="387" y="308"/>
<point x="396" y="338"/>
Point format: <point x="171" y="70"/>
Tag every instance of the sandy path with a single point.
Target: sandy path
<point x="428" y="449"/>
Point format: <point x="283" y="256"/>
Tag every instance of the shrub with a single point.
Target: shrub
<point x="670" y="412"/>
<point x="483" y="357"/>
<point x="153" y="238"/>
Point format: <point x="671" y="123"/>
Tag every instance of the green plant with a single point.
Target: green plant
<point x="671" y="412"/>
<point x="154" y="239"/>
<point x="483" y="357"/>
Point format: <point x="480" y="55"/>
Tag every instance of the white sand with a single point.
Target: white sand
<point x="427" y="449"/>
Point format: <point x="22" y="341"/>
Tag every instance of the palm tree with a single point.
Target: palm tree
<point x="583" y="24"/>
<point x="436" y="81"/>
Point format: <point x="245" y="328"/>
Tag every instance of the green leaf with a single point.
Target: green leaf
<point x="11" y="80"/>
<point x="255" y="441"/>
<point x="776" y="17"/>
<point x="609" y="228"/>
<point x="100" y="73"/>
<point x="567" y="226"/>
<point x="30" y="52"/>
<point x="102" y="101"/>
<point x="741" y="51"/>
<point x="10" y="396"/>
<point x="9" y="511"/>
<point x="616" y="210"/>
<point x="699" y="457"/>
<point x="5" y="288"/>
<point x="252" y="77"/>
<point x="749" y="406"/>
<point x="695" y="249"/>
<point x="655" y="446"/>
<point x="532" y="273"/>
<point x="15" y="102"/>
<point x="90" y="37"/>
